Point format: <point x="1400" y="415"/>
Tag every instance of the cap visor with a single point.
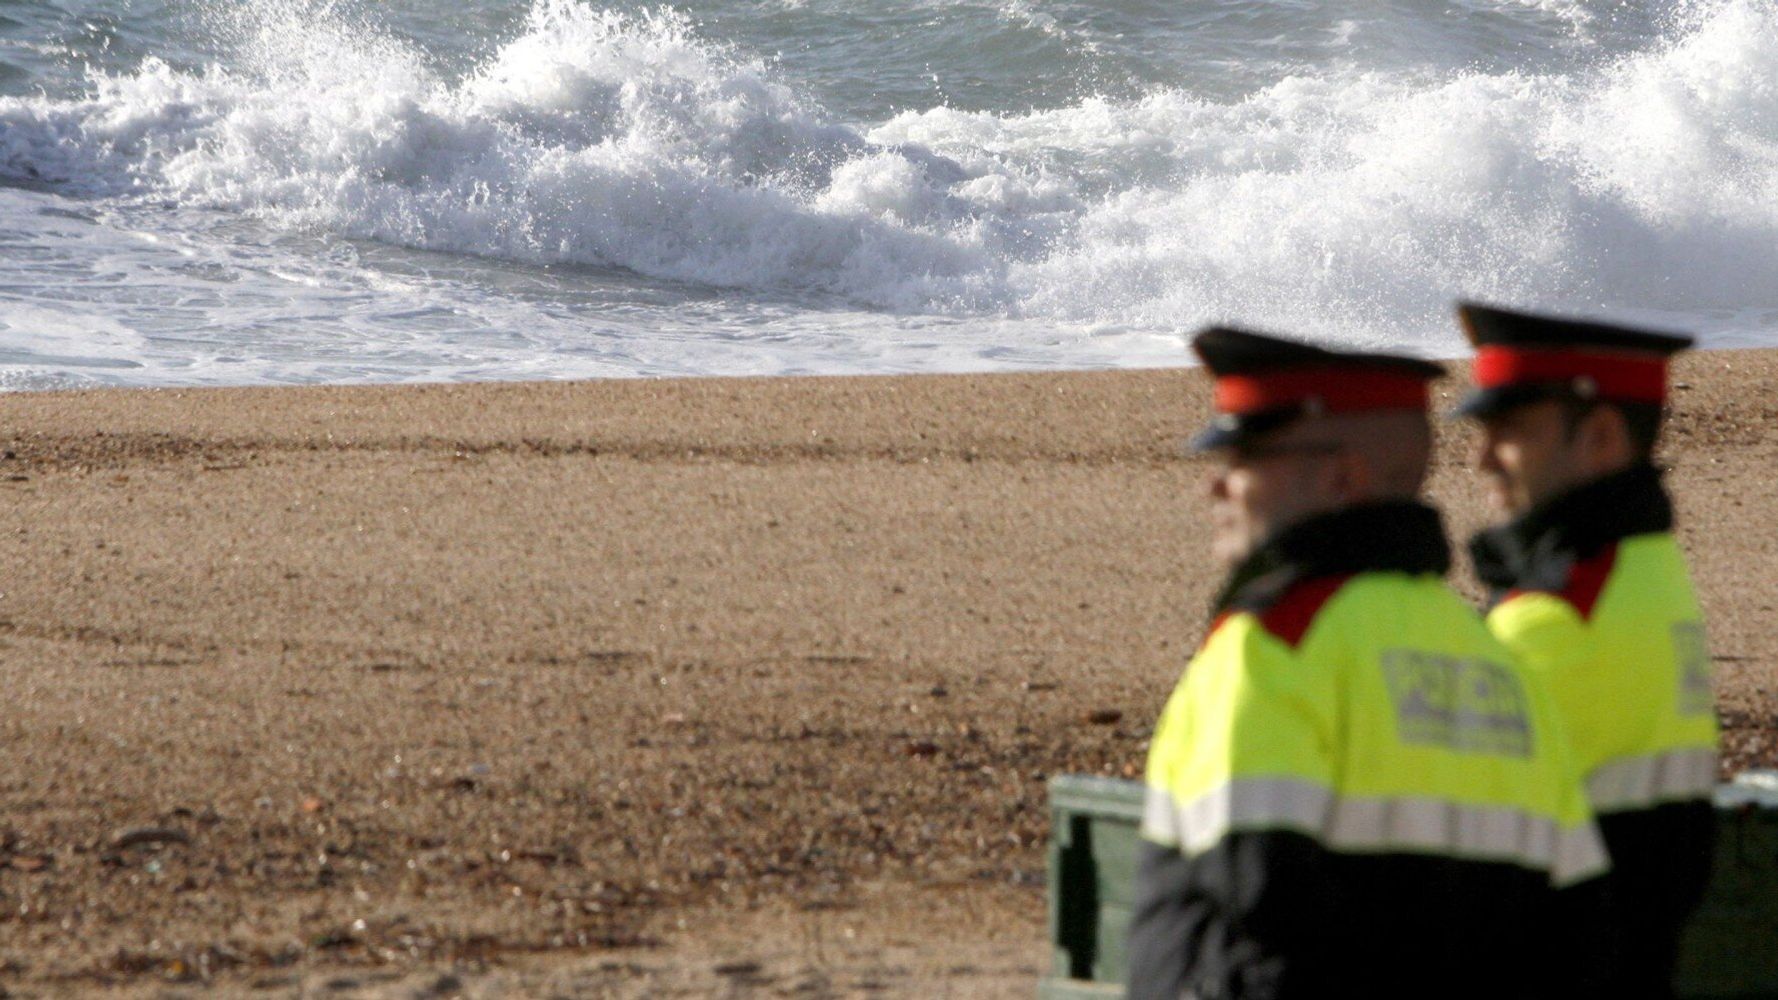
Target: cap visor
<point x="1215" y="439"/>
<point x="1483" y="403"/>
<point x="1227" y="432"/>
<point x="1474" y="406"/>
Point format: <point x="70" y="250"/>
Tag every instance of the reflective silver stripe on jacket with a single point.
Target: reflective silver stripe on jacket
<point x="1250" y="804"/>
<point x="1372" y="824"/>
<point x="1638" y="782"/>
<point x="1495" y="833"/>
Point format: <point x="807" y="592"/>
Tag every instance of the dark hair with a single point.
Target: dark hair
<point x="1642" y="421"/>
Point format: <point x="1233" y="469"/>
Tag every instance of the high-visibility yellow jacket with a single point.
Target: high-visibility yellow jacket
<point x="1354" y="791"/>
<point x="1592" y="594"/>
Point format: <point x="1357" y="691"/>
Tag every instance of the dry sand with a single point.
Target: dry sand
<point x="725" y="687"/>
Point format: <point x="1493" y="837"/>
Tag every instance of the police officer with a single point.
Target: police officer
<point x="1591" y="592"/>
<point x="1353" y="791"/>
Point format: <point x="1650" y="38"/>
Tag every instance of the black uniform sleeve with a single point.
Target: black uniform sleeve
<point x="1245" y="919"/>
<point x="1661" y="861"/>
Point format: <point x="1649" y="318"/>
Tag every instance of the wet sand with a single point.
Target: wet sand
<point x="733" y="687"/>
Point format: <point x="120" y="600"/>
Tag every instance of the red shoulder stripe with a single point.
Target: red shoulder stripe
<point x="1290" y="616"/>
<point x="1586" y="580"/>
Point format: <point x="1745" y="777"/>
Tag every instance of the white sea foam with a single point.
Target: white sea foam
<point x="1345" y="202"/>
<point x="1362" y="204"/>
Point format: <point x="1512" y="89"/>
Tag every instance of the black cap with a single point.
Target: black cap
<point x="1264" y="383"/>
<point x="1524" y="358"/>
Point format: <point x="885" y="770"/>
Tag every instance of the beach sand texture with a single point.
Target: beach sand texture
<point x="713" y="687"/>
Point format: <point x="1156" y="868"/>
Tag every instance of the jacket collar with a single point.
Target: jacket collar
<point x="1396" y="536"/>
<point x="1536" y="548"/>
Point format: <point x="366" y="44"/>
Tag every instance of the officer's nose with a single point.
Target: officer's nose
<point x="1219" y="486"/>
<point x="1486" y="458"/>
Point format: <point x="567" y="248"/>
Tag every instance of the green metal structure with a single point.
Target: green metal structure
<point x="1730" y="951"/>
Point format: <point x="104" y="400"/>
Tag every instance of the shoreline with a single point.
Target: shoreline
<point x="623" y="684"/>
<point x="1454" y="362"/>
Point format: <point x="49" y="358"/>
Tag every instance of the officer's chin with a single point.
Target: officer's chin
<point x="1229" y="545"/>
<point x="1503" y="500"/>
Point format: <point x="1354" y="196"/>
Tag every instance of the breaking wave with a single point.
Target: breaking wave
<point x="1348" y="202"/>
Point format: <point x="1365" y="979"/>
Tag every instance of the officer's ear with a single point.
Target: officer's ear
<point x="1352" y="479"/>
<point x="1602" y="440"/>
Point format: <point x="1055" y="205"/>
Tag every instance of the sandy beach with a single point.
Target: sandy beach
<point x="713" y="687"/>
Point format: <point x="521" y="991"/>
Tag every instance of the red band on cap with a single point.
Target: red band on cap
<point x="1339" y="390"/>
<point x="1629" y="378"/>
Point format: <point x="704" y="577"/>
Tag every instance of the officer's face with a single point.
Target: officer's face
<point x="1529" y="454"/>
<point x="1264" y="487"/>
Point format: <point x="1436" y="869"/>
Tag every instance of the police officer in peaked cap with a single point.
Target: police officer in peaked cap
<point x="1591" y="592"/>
<point x="1353" y="791"/>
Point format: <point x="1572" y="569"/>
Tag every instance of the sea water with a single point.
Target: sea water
<point x="269" y="191"/>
